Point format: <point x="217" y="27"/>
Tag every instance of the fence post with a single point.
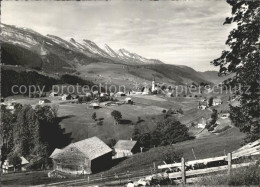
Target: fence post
<point x="88" y="178"/>
<point x="183" y="173"/>
<point x="229" y="163"/>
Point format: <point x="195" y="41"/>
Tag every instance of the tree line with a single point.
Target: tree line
<point x="31" y="133"/>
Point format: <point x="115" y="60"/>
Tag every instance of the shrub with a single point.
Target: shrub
<point x="211" y="129"/>
<point x="172" y="156"/>
<point x="100" y="123"/>
<point x="207" y="126"/>
<point x="164" y="111"/>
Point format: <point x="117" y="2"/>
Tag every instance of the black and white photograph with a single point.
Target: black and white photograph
<point x="129" y="93"/>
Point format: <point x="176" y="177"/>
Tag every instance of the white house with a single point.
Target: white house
<point x="202" y="105"/>
<point x="128" y="100"/>
<point x="94" y="105"/>
<point x="43" y="101"/>
<point x="202" y="123"/>
<point x="66" y="97"/>
<point x="54" y="94"/>
<point x="216" y="101"/>
<point x="125" y="148"/>
<point x="120" y="94"/>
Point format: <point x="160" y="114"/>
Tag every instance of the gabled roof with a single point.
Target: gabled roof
<point x="56" y="151"/>
<point x="217" y="100"/>
<point x="125" y="144"/>
<point x="92" y="148"/>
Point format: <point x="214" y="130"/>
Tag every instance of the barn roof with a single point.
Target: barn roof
<point x="125" y="144"/>
<point x="56" y="151"/>
<point x="92" y="148"/>
<point x="217" y="100"/>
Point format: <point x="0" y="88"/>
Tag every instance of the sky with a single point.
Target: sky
<point x="188" y="32"/>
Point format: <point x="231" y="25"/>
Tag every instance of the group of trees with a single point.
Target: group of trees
<point x="9" y="78"/>
<point x="117" y="116"/>
<point x="243" y="59"/>
<point x="212" y="124"/>
<point x="167" y="131"/>
<point x="31" y="133"/>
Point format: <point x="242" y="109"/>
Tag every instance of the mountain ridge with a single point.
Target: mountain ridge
<point x="52" y="54"/>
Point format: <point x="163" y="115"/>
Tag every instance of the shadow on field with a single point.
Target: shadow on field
<point x="59" y="119"/>
<point x="125" y="122"/>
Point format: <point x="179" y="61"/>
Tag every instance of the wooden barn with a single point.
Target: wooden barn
<point x="83" y="157"/>
<point x="124" y="148"/>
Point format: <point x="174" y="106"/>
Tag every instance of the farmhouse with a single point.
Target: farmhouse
<point x="202" y="123"/>
<point x="54" y="94"/>
<point x="43" y="101"/>
<point x="128" y="100"/>
<point x="7" y="167"/>
<point x="124" y="148"/>
<point x="224" y="114"/>
<point x="83" y="157"/>
<point x="120" y="94"/>
<point x="66" y="97"/>
<point x="216" y="101"/>
<point x="202" y="105"/>
<point x="94" y="105"/>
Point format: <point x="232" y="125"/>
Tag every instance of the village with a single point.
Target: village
<point x="83" y="156"/>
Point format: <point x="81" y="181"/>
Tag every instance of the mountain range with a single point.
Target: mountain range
<point x="52" y="54"/>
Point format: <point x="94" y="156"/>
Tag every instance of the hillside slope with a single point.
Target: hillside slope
<point x="212" y="76"/>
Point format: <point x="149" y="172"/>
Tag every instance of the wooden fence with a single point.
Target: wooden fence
<point x="245" y="151"/>
<point x="180" y="177"/>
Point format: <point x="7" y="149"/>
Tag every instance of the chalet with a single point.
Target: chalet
<point x="120" y="94"/>
<point x="66" y="97"/>
<point x="83" y="157"/>
<point x="124" y="148"/>
<point x="202" y="123"/>
<point x="128" y="100"/>
<point x="224" y="114"/>
<point x="43" y="101"/>
<point x="94" y="105"/>
<point x="202" y="105"/>
<point x="8" y="167"/>
<point x="103" y="94"/>
<point x="54" y="94"/>
<point x="216" y="101"/>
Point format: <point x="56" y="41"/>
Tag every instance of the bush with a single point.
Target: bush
<point x="207" y="126"/>
<point x="172" y="156"/>
<point x="100" y="123"/>
<point x="211" y="129"/>
<point x="164" y="111"/>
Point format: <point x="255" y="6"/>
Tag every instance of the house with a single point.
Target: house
<point x="66" y="97"/>
<point x="124" y="148"/>
<point x="43" y="101"/>
<point x="7" y="167"/>
<point x="120" y="94"/>
<point x="83" y="157"/>
<point x="128" y="100"/>
<point x="94" y="105"/>
<point x="103" y="94"/>
<point x="216" y="101"/>
<point x="54" y="94"/>
<point x="224" y="114"/>
<point x="202" y="105"/>
<point x="202" y="123"/>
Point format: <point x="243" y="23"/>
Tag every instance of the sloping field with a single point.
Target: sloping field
<point x="211" y="146"/>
